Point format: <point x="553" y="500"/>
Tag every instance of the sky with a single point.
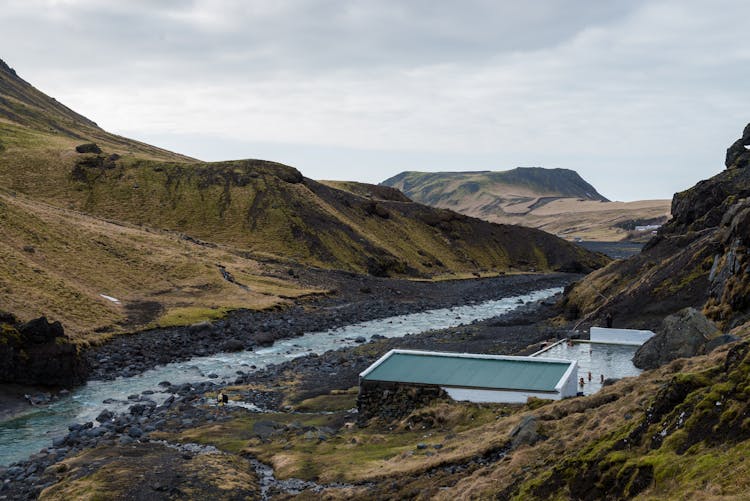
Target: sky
<point x="641" y="98"/>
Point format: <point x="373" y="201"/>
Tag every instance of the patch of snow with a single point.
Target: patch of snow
<point x="110" y="298"/>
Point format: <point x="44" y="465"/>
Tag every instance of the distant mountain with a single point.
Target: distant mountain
<point x="513" y="190"/>
<point x="256" y="210"/>
<point x="558" y="201"/>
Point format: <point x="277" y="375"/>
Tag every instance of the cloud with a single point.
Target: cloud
<point x="636" y="96"/>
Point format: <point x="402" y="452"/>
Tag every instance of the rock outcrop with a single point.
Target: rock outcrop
<point x="699" y="259"/>
<point x="38" y="352"/>
<point x="738" y="154"/>
<point x="684" y="334"/>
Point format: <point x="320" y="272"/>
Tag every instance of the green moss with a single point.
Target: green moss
<point x="191" y="315"/>
<point x="9" y="335"/>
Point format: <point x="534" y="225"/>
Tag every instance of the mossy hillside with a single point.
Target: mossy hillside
<point x="261" y="207"/>
<point x="57" y="263"/>
<point x="322" y="446"/>
<point x="461" y="189"/>
<point x="695" y="428"/>
<point x="270" y="209"/>
<point x="32" y="113"/>
<point x="137" y="472"/>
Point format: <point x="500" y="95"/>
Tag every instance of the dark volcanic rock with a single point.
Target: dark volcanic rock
<point x="232" y="345"/>
<point x="738" y="154"/>
<point x="683" y="334"/>
<point x="88" y="148"/>
<point x="700" y="259"/>
<point x="38" y="352"/>
<point x="525" y="433"/>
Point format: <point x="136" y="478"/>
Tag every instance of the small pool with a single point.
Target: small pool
<point x="608" y="360"/>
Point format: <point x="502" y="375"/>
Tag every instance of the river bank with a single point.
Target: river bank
<point x="355" y="298"/>
<point x="267" y="388"/>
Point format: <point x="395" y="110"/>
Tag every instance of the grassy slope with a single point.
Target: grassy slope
<point x="57" y="262"/>
<point x="269" y="209"/>
<point x="555" y="200"/>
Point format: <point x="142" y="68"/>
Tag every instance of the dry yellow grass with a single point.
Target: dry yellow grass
<point x="59" y="263"/>
<point x="587" y="219"/>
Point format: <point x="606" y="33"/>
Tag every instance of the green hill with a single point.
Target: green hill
<point x="258" y="210"/>
<point x="443" y="188"/>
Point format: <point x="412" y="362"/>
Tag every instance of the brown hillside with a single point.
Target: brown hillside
<point x="263" y="209"/>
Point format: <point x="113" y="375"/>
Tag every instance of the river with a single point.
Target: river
<point x="28" y="433"/>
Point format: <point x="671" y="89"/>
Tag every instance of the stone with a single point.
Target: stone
<point x="126" y="440"/>
<point x="233" y="345"/>
<point x="105" y="415"/>
<point x="683" y="334"/>
<point x="88" y="148"/>
<point x="721" y="340"/>
<point x="525" y="433"/>
<point x="265" y="429"/>
<point x="38" y="352"/>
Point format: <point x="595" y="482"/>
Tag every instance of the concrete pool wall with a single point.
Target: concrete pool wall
<point x="613" y="361"/>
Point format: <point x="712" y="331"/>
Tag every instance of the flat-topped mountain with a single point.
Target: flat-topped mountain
<point x="260" y="211"/>
<point x="513" y="191"/>
<point x="558" y="201"/>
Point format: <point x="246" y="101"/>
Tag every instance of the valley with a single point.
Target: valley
<point x="137" y="285"/>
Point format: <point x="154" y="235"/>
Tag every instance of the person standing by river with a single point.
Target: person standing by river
<point x="221" y="399"/>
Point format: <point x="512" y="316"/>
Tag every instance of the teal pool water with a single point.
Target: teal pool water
<point x="608" y="360"/>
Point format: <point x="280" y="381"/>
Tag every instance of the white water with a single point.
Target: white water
<point x="32" y="431"/>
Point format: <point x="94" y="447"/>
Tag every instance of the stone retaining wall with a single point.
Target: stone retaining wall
<point x="392" y="401"/>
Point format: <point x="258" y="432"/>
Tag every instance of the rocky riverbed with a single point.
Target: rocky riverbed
<point x="355" y="298"/>
<point x="191" y="405"/>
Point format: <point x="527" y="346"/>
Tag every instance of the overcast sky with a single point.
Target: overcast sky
<point x="642" y="98"/>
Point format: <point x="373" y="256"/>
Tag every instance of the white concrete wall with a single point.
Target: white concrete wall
<point x="619" y="336"/>
<point x="497" y="396"/>
<point x="568" y="386"/>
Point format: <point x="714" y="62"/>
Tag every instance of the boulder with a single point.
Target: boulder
<point x="233" y="345"/>
<point x="525" y="433"/>
<point x="721" y="340"/>
<point x="88" y="148"/>
<point x="683" y="334"/>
